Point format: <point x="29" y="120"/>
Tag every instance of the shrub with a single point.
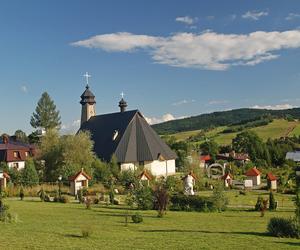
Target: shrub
<point x="64" y="199"/>
<point x="111" y="196"/>
<point x="137" y="218"/>
<point x="161" y="199"/>
<point x="80" y="196"/>
<point x="180" y="202"/>
<point x="5" y="216"/>
<point x="86" y="232"/>
<point x="220" y="201"/>
<point x="88" y="203"/>
<point x="96" y="201"/>
<point x="29" y="174"/>
<point x="42" y="194"/>
<point x="259" y="204"/>
<point x="144" y="198"/>
<point x="272" y="202"/>
<point x="21" y="194"/>
<point x="282" y="227"/>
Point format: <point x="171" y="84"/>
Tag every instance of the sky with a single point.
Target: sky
<point x="171" y="58"/>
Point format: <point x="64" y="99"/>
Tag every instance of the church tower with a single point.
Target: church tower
<point x="88" y="103"/>
<point x="122" y="104"/>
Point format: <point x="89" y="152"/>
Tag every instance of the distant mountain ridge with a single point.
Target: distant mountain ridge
<point x="222" y="118"/>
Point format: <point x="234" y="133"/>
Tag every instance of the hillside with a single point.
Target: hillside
<point x="275" y="129"/>
<point x="223" y="118"/>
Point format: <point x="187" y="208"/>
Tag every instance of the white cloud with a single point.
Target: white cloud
<point x="274" y="107"/>
<point x="254" y="15"/>
<point x="292" y="16"/>
<point x="186" y="19"/>
<point x="182" y="102"/>
<point x="206" y="50"/>
<point x="165" y="118"/>
<point x="70" y="128"/>
<point x="233" y="16"/>
<point x="217" y="102"/>
<point x="24" y="89"/>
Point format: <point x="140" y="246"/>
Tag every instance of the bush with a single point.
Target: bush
<point x="64" y="199"/>
<point x="272" y="202"/>
<point x="5" y="215"/>
<point x="88" y="203"/>
<point x="144" y="198"/>
<point x="21" y="194"/>
<point x="182" y="202"/>
<point x="96" y="201"/>
<point x="80" y="196"/>
<point x="259" y="204"/>
<point x="220" y="201"/>
<point x="86" y="232"/>
<point x="137" y="218"/>
<point x="282" y="227"/>
<point x="42" y="194"/>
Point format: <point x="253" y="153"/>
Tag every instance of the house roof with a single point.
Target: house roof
<point x="271" y="177"/>
<point x="225" y="176"/>
<point x="205" y="158"/>
<point x="81" y="172"/>
<point x="128" y="136"/>
<point x="146" y="174"/>
<point x="253" y="172"/>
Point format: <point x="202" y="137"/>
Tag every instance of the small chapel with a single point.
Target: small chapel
<point x="128" y="136"/>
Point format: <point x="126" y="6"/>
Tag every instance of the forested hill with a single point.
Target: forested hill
<point x="223" y="118"/>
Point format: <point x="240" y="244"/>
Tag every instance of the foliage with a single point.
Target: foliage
<point x="80" y="196"/>
<point x="21" y="136"/>
<point x="282" y="227"/>
<point x="224" y="118"/>
<point x="88" y="203"/>
<point x="29" y="174"/>
<point x="181" y="202"/>
<point x="210" y="148"/>
<point x="143" y="198"/>
<point x="161" y="197"/>
<point x="5" y="215"/>
<point x="272" y="202"/>
<point x="21" y="194"/>
<point x="127" y="177"/>
<point x="137" y="218"/>
<point x="259" y="204"/>
<point x="114" y="166"/>
<point x="45" y="115"/>
<point x="64" y="199"/>
<point x="219" y="199"/>
<point x="101" y="171"/>
<point x="42" y="194"/>
<point x="65" y="155"/>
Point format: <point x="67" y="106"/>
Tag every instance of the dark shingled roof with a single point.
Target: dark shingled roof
<point x="128" y="136"/>
<point x="87" y="96"/>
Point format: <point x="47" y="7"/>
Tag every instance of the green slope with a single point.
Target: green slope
<point x="276" y="129"/>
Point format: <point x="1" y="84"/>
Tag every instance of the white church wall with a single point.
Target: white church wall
<point x="161" y="168"/>
<point x="128" y="166"/>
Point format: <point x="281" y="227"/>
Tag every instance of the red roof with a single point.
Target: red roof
<point x="205" y="158"/>
<point x="145" y="173"/>
<point x="224" y="177"/>
<point x="271" y="177"/>
<point x="253" y="172"/>
<point x="81" y="172"/>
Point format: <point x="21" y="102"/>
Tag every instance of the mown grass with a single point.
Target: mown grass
<point x="276" y="129"/>
<point x="58" y="226"/>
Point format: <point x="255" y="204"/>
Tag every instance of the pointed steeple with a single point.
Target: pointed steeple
<point x="87" y="96"/>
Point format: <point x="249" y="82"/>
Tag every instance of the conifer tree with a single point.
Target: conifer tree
<point x="45" y="116"/>
<point x="29" y="174"/>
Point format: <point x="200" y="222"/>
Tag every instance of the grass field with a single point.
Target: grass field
<point x="58" y="226"/>
<point x="276" y="129"/>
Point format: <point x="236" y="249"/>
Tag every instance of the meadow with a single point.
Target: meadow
<point x="276" y="129"/>
<point x="44" y="225"/>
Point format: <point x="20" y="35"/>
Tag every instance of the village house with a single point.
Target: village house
<point x="254" y="175"/>
<point x="15" y="153"/>
<point x="204" y="161"/>
<point x="78" y="181"/>
<point x="227" y="178"/>
<point x="272" y="181"/>
<point x="238" y="157"/>
<point x="128" y="136"/>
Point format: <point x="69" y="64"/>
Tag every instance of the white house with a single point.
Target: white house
<point x="272" y="181"/>
<point x="128" y="136"/>
<point x="255" y="175"/>
<point x="79" y="181"/>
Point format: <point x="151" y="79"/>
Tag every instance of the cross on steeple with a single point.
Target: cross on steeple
<point x="87" y="76"/>
<point x="122" y="95"/>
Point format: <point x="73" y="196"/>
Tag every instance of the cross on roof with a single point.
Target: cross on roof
<point x="122" y="95"/>
<point x="87" y="76"/>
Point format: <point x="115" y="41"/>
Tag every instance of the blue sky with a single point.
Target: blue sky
<point x="171" y="58"/>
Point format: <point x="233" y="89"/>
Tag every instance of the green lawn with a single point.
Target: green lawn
<point x="58" y="226"/>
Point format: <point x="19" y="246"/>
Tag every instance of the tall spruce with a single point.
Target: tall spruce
<point x="45" y="116"/>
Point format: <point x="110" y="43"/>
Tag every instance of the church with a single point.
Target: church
<point x="128" y="136"/>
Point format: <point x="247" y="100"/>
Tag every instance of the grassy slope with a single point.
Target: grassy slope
<point x="58" y="226"/>
<point x="278" y="128"/>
